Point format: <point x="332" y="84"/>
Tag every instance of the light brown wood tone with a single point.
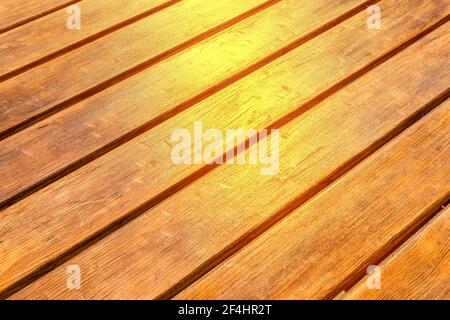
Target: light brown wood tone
<point x="419" y="270"/>
<point x="91" y="66"/>
<point x="172" y="240"/>
<point x="49" y="34"/>
<point x="345" y="228"/>
<point x="105" y="117"/>
<point x="144" y="165"/>
<point x="96" y="122"/>
<point x="14" y="13"/>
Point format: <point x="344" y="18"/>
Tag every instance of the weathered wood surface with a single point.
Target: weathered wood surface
<point x="106" y="117"/>
<point x="323" y="245"/>
<point x="80" y="73"/>
<point x="192" y="228"/>
<point x="86" y="119"/>
<point x="50" y="34"/>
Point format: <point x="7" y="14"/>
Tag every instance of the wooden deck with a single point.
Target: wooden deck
<point x="89" y="188"/>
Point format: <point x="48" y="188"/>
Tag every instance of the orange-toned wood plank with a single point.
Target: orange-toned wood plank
<point x="49" y="35"/>
<point x="14" y="13"/>
<point x="340" y="232"/>
<point x="190" y="229"/>
<point x="420" y="269"/>
<point x="101" y="120"/>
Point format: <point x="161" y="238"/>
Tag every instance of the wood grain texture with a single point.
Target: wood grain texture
<point x="49" y="34"/>
<point x="191" y="228"/>
<point x="89" y="68"/>
<point x="114" y="112"/>
<point x="131" y="105"/>
<point x="420" y="269"/>
<point x="145" y="164"/>
<point x="345" y="228"/>
<point x="14" y="13"/>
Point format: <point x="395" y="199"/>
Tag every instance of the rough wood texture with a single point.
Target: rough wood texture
<point x="420" y="269"/>
<point x="49" y="34"/>
<point x="141" y="44"/>
<point x="339" y="233"/>
<point x="102" y="119"/>
<point x="106" y="117"/>
<point x="82" y="203"/>
<point x="145" y="167"/>
<point x="86" y="120"/>
<point x="190" y="229"/>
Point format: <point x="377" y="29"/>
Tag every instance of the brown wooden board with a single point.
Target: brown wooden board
<point x="180" y="238"/>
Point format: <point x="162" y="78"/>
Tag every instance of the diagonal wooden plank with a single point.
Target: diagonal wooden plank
<point x="189" y="231"/>
<point x="14" y="13"/>
<point x="49" y="35"/>
<point x="339" y="233"/>
<point x="420" y="269"/>
<point x="117" y="114"/>
<point x="132" y="105"/>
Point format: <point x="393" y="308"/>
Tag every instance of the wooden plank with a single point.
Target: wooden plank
<point x="189" y="230"/>
<point x="106" y="119"/>
<point x="141" y="44"/>
<point x="419" y="270"/>
<point x="49" y="35"/>
<point x="109" y="115"/>
<point x="14" y="13"/>
<point x="340" y="232"/>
